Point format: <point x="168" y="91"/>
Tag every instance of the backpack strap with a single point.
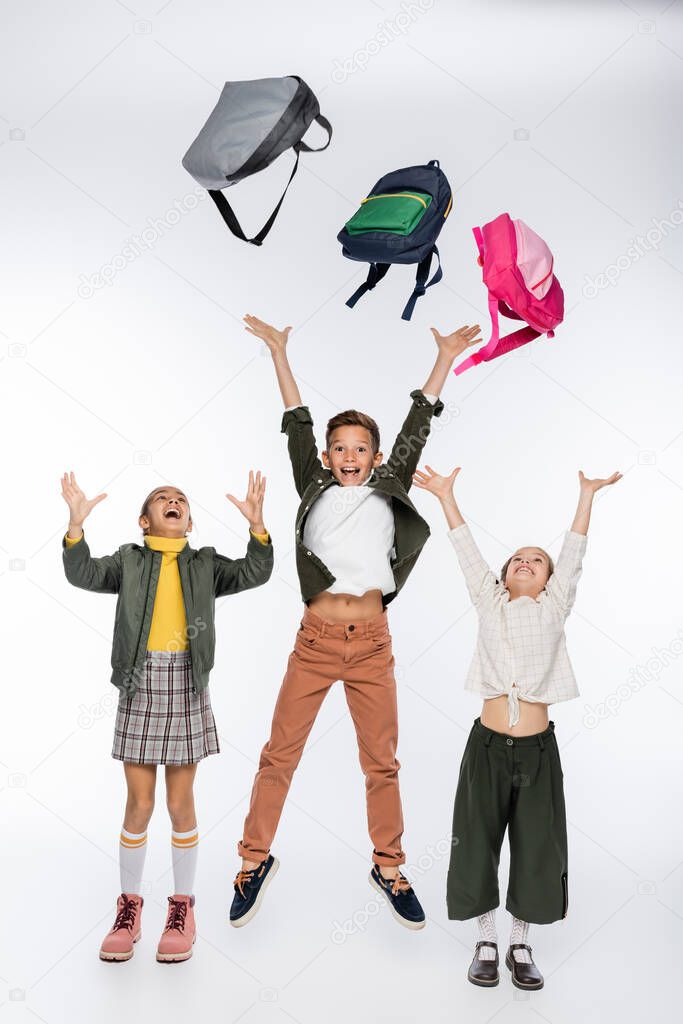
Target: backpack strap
<point x="421" y="283"/>
<point x="375" y="274"/>
<point x="497" y="346"/>
<point x="227" y="212"/>
<point x="228" y="215"/>
<point x="324" y="123"/>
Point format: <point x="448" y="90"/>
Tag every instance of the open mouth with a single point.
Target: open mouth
<point x="524" y="570"/>
<point x="172" y="513"/>
<point x="350" y="472"/>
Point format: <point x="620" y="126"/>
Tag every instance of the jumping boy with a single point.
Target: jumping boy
<point x="358" y="536"/>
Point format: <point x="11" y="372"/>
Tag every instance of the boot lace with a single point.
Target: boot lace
<point x="176" y="915"/>
<point x="125" y="917"/>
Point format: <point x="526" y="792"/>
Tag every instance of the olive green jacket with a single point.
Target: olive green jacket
<point x="393" y="478"/>
<point x="132" y="572"/>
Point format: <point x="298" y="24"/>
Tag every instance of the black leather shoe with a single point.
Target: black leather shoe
<point x="525" y="976"/>
<point x="484" y="972"/>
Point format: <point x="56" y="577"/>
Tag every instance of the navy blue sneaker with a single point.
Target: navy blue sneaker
<point x="399" y="894"/>
<point x="249" y="889"/>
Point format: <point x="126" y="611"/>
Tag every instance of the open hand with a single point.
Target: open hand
<point x="252" y="506"/>
<point x="592" y="486"/>
<point x="80" y="507"/>
<point x="274" y="339"/>
<point x="441" y="486"/>
<point x="452" y="345"/>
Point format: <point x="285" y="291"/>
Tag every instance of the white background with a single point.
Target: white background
<point x="152" y="379"/>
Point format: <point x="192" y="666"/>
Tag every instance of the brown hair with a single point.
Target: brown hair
<point x="551" y="565"/>
<point x="144" y="511"/>
<point x="353" y="418"/>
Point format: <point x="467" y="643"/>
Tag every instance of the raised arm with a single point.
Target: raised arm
<point x="297" y="422"/>
<point x="416" y="428"/>
<point x="450" y="346"/>
<point x="481" y="582"/>
<point x="561" y="587"/>
<point x="587" y="491"/>
<point x="276" y="342"/>
<point x="101" y="575"/>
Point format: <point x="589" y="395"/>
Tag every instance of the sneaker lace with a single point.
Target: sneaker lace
<point x="176" y="915"/>
<point x="243" y="878"/>
<point x="125" y="918"/>
<point x="401" y="885"/>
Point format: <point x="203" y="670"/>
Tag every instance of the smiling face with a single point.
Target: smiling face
<point x="166" y="513"/>
<point x="350" y="456"/>
<point x="527" y="572"/>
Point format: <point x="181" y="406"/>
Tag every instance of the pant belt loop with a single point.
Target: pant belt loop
<point x="540" y="742"/>
<point x="488" y="738"/>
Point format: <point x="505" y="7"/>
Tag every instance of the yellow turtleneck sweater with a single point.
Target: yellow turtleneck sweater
<point x="168" y="630"/>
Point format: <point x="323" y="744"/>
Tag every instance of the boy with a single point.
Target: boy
<point x="358" y="536"/>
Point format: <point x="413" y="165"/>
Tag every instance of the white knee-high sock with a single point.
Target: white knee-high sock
<point x="184" y="846"/>
<point x="519" y="933"/>
<point x="487" y="933"/>
<point x="132" y="851"/>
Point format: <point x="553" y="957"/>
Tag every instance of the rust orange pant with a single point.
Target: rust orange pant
<point x="359" y="653"/>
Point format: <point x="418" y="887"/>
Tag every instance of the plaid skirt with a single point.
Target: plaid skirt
<point x="164" y="722"/>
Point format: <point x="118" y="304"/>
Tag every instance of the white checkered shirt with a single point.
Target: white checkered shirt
<point x="521" y="642"/>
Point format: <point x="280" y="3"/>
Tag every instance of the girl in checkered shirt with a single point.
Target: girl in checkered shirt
<point x="510" y="775"/>
<point x="162" y="654"/>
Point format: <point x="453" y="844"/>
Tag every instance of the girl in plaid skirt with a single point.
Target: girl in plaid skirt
<point x="163" y="649"/>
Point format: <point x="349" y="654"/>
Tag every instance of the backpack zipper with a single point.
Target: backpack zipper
<point x="392" y="195"/>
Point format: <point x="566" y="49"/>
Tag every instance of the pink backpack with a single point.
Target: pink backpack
<point x="518" y="272"/>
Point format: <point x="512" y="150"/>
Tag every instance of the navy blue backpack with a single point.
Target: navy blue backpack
<point x="399" y="222"/>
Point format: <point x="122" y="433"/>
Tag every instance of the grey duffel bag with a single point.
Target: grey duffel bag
<point x="252" y="123"/>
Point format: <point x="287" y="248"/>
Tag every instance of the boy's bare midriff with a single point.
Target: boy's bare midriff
<point x="347" y="607"/>
<point x="533" y="718"/>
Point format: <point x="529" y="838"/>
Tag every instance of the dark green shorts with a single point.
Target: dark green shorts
<point x="513" y="782"/>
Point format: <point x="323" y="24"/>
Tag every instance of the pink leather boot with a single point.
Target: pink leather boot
<point x="119" y="942"/>
<point x="179" y="933"/>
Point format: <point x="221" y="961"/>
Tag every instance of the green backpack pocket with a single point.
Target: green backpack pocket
<point x="396" y="212"/>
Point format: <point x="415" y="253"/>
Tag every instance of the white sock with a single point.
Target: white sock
<point x="184" y="847"/>
<point x="487" y="933"/>
<point x="519" y="933"/>
<point x="132" y="851"/>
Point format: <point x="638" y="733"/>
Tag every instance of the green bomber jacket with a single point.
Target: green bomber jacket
<point x="132" y="572"/>
<point x="393" y="478"/>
